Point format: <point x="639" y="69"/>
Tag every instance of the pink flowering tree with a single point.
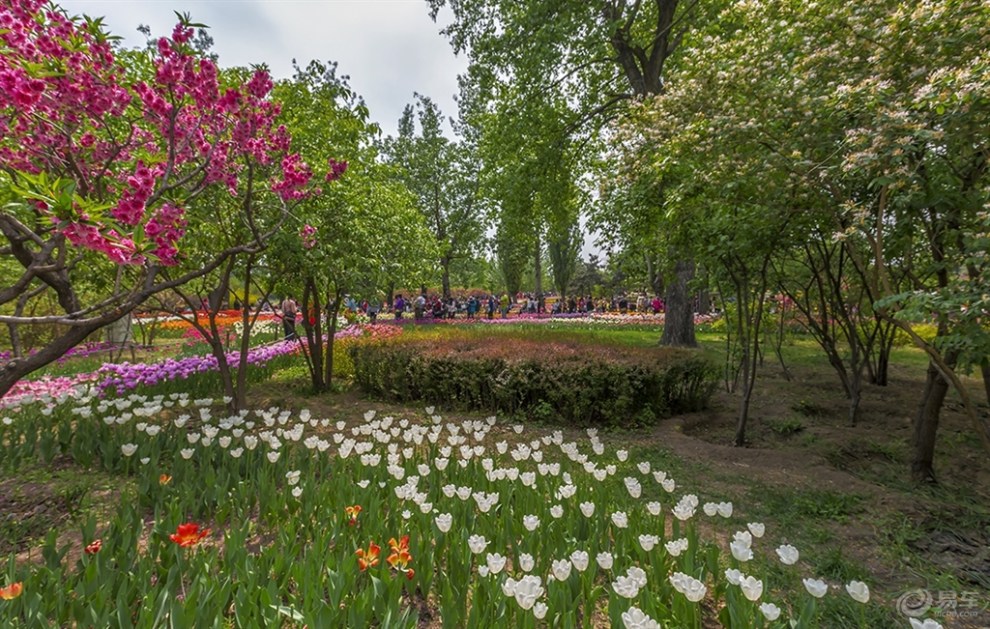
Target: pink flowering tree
<point x="99" y="164"/>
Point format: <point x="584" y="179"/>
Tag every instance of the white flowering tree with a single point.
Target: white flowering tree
<point x="858" y="125"/>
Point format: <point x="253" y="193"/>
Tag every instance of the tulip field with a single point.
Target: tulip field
<point x="277" y="517"/>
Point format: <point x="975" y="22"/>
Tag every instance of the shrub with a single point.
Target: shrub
<point x="785" y="427"/>
<point x="580" y="383"/>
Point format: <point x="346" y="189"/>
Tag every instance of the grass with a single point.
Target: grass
<point x="42" y="499"/>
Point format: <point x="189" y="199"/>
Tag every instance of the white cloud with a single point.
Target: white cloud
<point x="389" y="48"/>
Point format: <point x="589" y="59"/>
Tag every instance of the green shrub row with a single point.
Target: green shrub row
<point x="574" y="385"/>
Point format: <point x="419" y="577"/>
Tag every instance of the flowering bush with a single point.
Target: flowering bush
<point x="488" y="525"/>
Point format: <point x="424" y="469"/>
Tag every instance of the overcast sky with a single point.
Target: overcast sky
<point x="389" y="48"/>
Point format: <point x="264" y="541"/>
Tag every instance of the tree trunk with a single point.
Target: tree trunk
<point x="985" y="369"/>
<point x="678" y="328"/>
<point x="331" y="334"/>
<point x="855" y="394"/>
<point x="240" y="395"/>
<point x="926" y="426"/>
<point x="314" y="336"/>
<point x="538" y="272"/>
<point x="445" y="278"/>
<point x="14" y="370"/>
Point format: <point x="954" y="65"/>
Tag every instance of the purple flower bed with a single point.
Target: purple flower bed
<point x="126" y="376"/>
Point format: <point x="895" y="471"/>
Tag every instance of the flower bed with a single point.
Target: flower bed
<point x="274" y="518"/>
<point x="574" y="383"/>
<point x="597" y="318"/>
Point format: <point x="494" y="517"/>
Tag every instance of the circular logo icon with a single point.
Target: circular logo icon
<point x="914" y="603"/>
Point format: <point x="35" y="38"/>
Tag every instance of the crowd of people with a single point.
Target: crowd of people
<point x="490" y="305"/>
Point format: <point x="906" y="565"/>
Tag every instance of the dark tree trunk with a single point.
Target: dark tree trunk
<point x="678" y="328"/>
<point x="926" y="426"/>
<point x="313" y="347"/>
<point x="985" y="370"/>
<point x="538" y="272"/>
<point x="14" y="370"/>
<point x="240" y="397"/>
<point x="445" y="278"/>
<point x="331" y="334"/>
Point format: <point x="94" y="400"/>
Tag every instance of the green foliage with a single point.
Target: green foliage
<point x="572" y="384"/>
<point x="785" y="427"/>
<point x="792" y="506"/>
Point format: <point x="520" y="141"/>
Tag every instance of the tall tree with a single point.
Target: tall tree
<point x="442" y="174"/>
<point x="597" y="56"/>
<point x="363" y="230"/>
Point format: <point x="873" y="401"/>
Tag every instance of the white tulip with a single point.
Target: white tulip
<point x="620" y="519"/>
<point x="625" y="587"/>
<point x="733" y="576"/>
<point x="509" y="587"/>
<point x="815" y="587"/>
<point x="477" y="543"/>
<point x="752" y="588"/>
<point x="443" y="521"/>
<point x="636" y="619"/>
<point x="788" y="555"/>
<point x="528" y="589"/>
<point x="859" y="591"/>
<point x="526" y="562"/>
<point x="676" y="547"/>
<point x="540" y="610"/>
<point x="687" y="585"/>
<point x="770" y="611"/>
<point x="495" y="562"/>
<point x="605" y="560"/>
<point x="580" y="560"/>
<point x="741" y="551"/>
<point x="561" y="569"/>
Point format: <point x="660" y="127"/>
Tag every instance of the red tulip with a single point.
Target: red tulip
<point x="188" y="535"/>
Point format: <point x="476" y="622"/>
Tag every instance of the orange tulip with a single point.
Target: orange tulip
<point x="352" y="513"/>
<point x="12" y="591"/>
<point x="164" y="479"/>
<point x="400" y="556"/>
<point x="368" y="558"/>
<point x="94" y="547"/>
<point x="188" y="535"/>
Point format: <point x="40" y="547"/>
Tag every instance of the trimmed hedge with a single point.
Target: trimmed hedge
<point x="575" y="384"/>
